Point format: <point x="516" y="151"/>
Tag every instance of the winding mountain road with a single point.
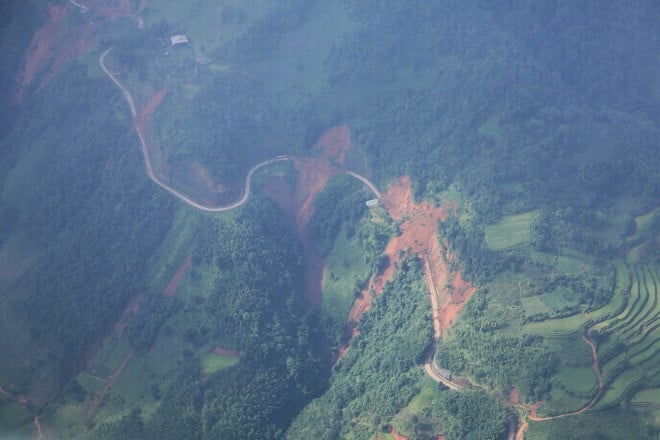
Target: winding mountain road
<point x="203" y="207"/>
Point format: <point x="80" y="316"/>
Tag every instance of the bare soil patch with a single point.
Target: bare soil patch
<point x="59" y="41"/>
<point x="40" y="49"/>
<point x="419" y="225"/>
<point x="170" y="288"/>
<point x="298" y="202"/>
<point x="314" y="173"/>
<point x="397" y="436"/>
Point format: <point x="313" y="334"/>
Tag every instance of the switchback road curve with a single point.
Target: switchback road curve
<point x="152" y="175"/>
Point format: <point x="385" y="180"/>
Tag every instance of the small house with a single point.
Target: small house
<point x="372" y="203"/>
<point x="179" y="39"/>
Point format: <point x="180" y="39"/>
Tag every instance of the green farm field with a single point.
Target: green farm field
<point x="345" y="276"/>
<point x="511" y="231"/>
<point x="212" y="362"/>
<point x="627" y="340"/>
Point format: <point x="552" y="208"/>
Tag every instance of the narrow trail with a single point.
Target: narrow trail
<point x="533" y="417"/>
<point x="108" y="384"/>
<point x="38" y="429"/>
<point x="157" y="179"/>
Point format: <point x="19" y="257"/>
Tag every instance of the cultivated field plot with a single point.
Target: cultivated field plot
<point x="626" y="332"/>
<point x="511" y="231"/>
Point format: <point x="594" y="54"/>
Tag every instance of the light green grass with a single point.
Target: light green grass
<point x="561" y="402"/>
<point x="558" y="298"/>
<point x="569" y="265"/>
<point x="615" y="302"/>
<point x="571" y="324"/>
<point x="649" y="396"/>
<point x="200" y="281"/>
<point x="91" y="384"/>
<point x="212" y="362"/>
<point x="643" y="222"/>
<point x="627" y="314"/>
<point x="618" y="386"/>
<point x="610" y="366"/>
<point x="345" y="274"/>
<point x="511" y="231"/>
<point x="578" y="379"/>
<point x="557" y="327"/>
<point x="533" y="305"/>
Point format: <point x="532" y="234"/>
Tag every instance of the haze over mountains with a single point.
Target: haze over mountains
<point x="187" y="251"/>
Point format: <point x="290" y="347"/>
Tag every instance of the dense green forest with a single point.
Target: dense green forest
<point x="539" y="119"/>
<point x="258" y="306"/>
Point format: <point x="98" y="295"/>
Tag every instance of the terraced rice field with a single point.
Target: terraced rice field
<point x="627" y="336"/>
<point x="630" y="354"/>
<point x="571" y="324"/>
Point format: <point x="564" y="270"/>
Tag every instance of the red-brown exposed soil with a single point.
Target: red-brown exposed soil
<point x="170" y="288"/>
<point x="397" y="436"/>
<point x="108" y="384"/>
<point x="314" y="173"/>
<point x="40" y="48"/>
<point x="58" y="41"/>
<point x="132" y="309"/>
<point x="202" y="176"/>
<point x="514" y="398"/>
<point x="145" y="113"/>
<point x="419" y="225"/>
<point x="298" y="202"/>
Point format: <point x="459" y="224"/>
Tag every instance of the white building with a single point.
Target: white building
<point x="179" y="39"/>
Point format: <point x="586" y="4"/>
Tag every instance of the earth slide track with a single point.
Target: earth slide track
<point x="430" y="368"/>
<point x="154" y="177"/>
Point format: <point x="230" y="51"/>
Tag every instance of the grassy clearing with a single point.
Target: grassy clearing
<point x="533" y="305"/>
<point x="643" y="222"/>
<point x="568" y="265"/>
<point x="649" y="396"/>
<point x="346" y="274"/>
<point x="511" y="231"/>
<point x="212" y="362"/>
<point x="557" y="327"/>
<point x="578" y="379"/>
<point x="560" y="297"/>
<point x="615" y="424"/>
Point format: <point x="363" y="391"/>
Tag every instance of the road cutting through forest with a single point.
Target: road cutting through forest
<point x="139" y="128"/>
<point x="438" y="319"/>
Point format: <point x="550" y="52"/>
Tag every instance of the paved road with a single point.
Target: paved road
<point x="147" y="159"/>
<point x="203" y="207"/>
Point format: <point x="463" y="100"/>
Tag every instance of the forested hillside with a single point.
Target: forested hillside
<point x="186" y="251"/>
